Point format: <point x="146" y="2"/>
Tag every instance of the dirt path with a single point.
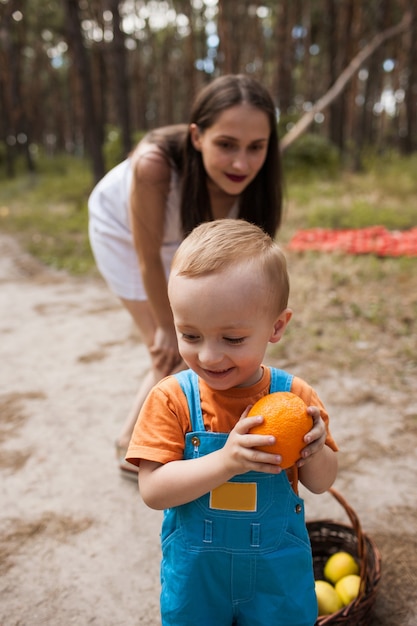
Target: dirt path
<point x="77" y="545"/>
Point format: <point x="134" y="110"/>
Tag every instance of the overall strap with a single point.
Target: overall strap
<point x="188" y="381"/>
<point x="280" y="380"/>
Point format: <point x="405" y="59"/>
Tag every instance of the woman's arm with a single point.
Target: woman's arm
<point x="148" y="201"/>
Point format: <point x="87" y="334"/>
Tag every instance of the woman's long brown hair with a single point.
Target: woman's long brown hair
<point x="261" y="201"/>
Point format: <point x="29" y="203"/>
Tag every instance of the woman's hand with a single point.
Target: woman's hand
<point x="164" y="351"/>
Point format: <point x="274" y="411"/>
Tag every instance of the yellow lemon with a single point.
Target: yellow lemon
<point x="328" y="600"/>
<point x="347" y="588"/>
<point x="339" y="565"/>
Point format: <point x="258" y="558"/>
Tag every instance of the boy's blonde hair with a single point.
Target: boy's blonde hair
<point x="217" y="245"/>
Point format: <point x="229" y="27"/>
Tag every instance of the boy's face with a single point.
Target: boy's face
<point x="224" y="323"/>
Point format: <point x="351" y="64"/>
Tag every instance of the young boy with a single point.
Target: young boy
<point x="235" y="549"/>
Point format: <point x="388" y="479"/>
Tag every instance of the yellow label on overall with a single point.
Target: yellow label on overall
<point x="234" y="497"/>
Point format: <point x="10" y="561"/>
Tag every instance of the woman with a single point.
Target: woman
<point x="224" y="163"/>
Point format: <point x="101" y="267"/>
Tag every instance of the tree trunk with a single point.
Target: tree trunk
<point x="283" y="90"/>
<point x="92" y="132"/>
<point x="337" y="88"/>
<point x="410" y="137"/>
<point x="5" y="100"/>
<point x="120" y="79"/>
<point x="16" y="130"/>
<point x="229" y="23"/>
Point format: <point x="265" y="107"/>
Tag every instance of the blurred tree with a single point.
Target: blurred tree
<point x="283" y="84"/>
<point x="73" y="72"/>
<point x="343" y="19"/>
<point x="119" y="63"/>
<point x="15" y="127"/>
<point x="93" y="132"/>
<point x="408" y="132"/>
<point x="338" y="87"/>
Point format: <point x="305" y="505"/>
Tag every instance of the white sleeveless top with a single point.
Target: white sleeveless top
<point x="109" y="205"/>
<point x="111" y="235"/>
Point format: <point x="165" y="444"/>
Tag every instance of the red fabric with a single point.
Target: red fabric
<point x="373" y="240"/>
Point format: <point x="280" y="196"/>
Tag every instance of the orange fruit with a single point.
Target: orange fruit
<point x="286" y="418"/>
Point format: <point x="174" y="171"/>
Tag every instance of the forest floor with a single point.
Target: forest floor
<point x="77" y="545"/>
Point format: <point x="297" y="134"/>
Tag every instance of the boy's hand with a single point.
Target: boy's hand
<point x="315" y="438"/>
<point x="240" y="453"/>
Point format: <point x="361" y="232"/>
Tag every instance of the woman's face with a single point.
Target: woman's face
<point x="234" y="148"/>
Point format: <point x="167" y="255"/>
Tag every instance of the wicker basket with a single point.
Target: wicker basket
<point x="328" y="537"/>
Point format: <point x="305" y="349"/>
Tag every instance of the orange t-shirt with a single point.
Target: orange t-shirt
<point x="163" y="422"/>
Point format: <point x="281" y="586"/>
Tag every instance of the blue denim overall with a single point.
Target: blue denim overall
<point x="223" y="567"/>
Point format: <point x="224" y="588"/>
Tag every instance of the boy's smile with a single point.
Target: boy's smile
<point x="224" y="322"/>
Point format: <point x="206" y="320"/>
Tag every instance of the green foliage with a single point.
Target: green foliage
<point x="113" y="151"/>
<point x="311" y="154"/>
<point x="361" y="213"/>
<point x="112" y="148"/>
<point x="384" y="194"/>
<point x="47" y="210"/>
